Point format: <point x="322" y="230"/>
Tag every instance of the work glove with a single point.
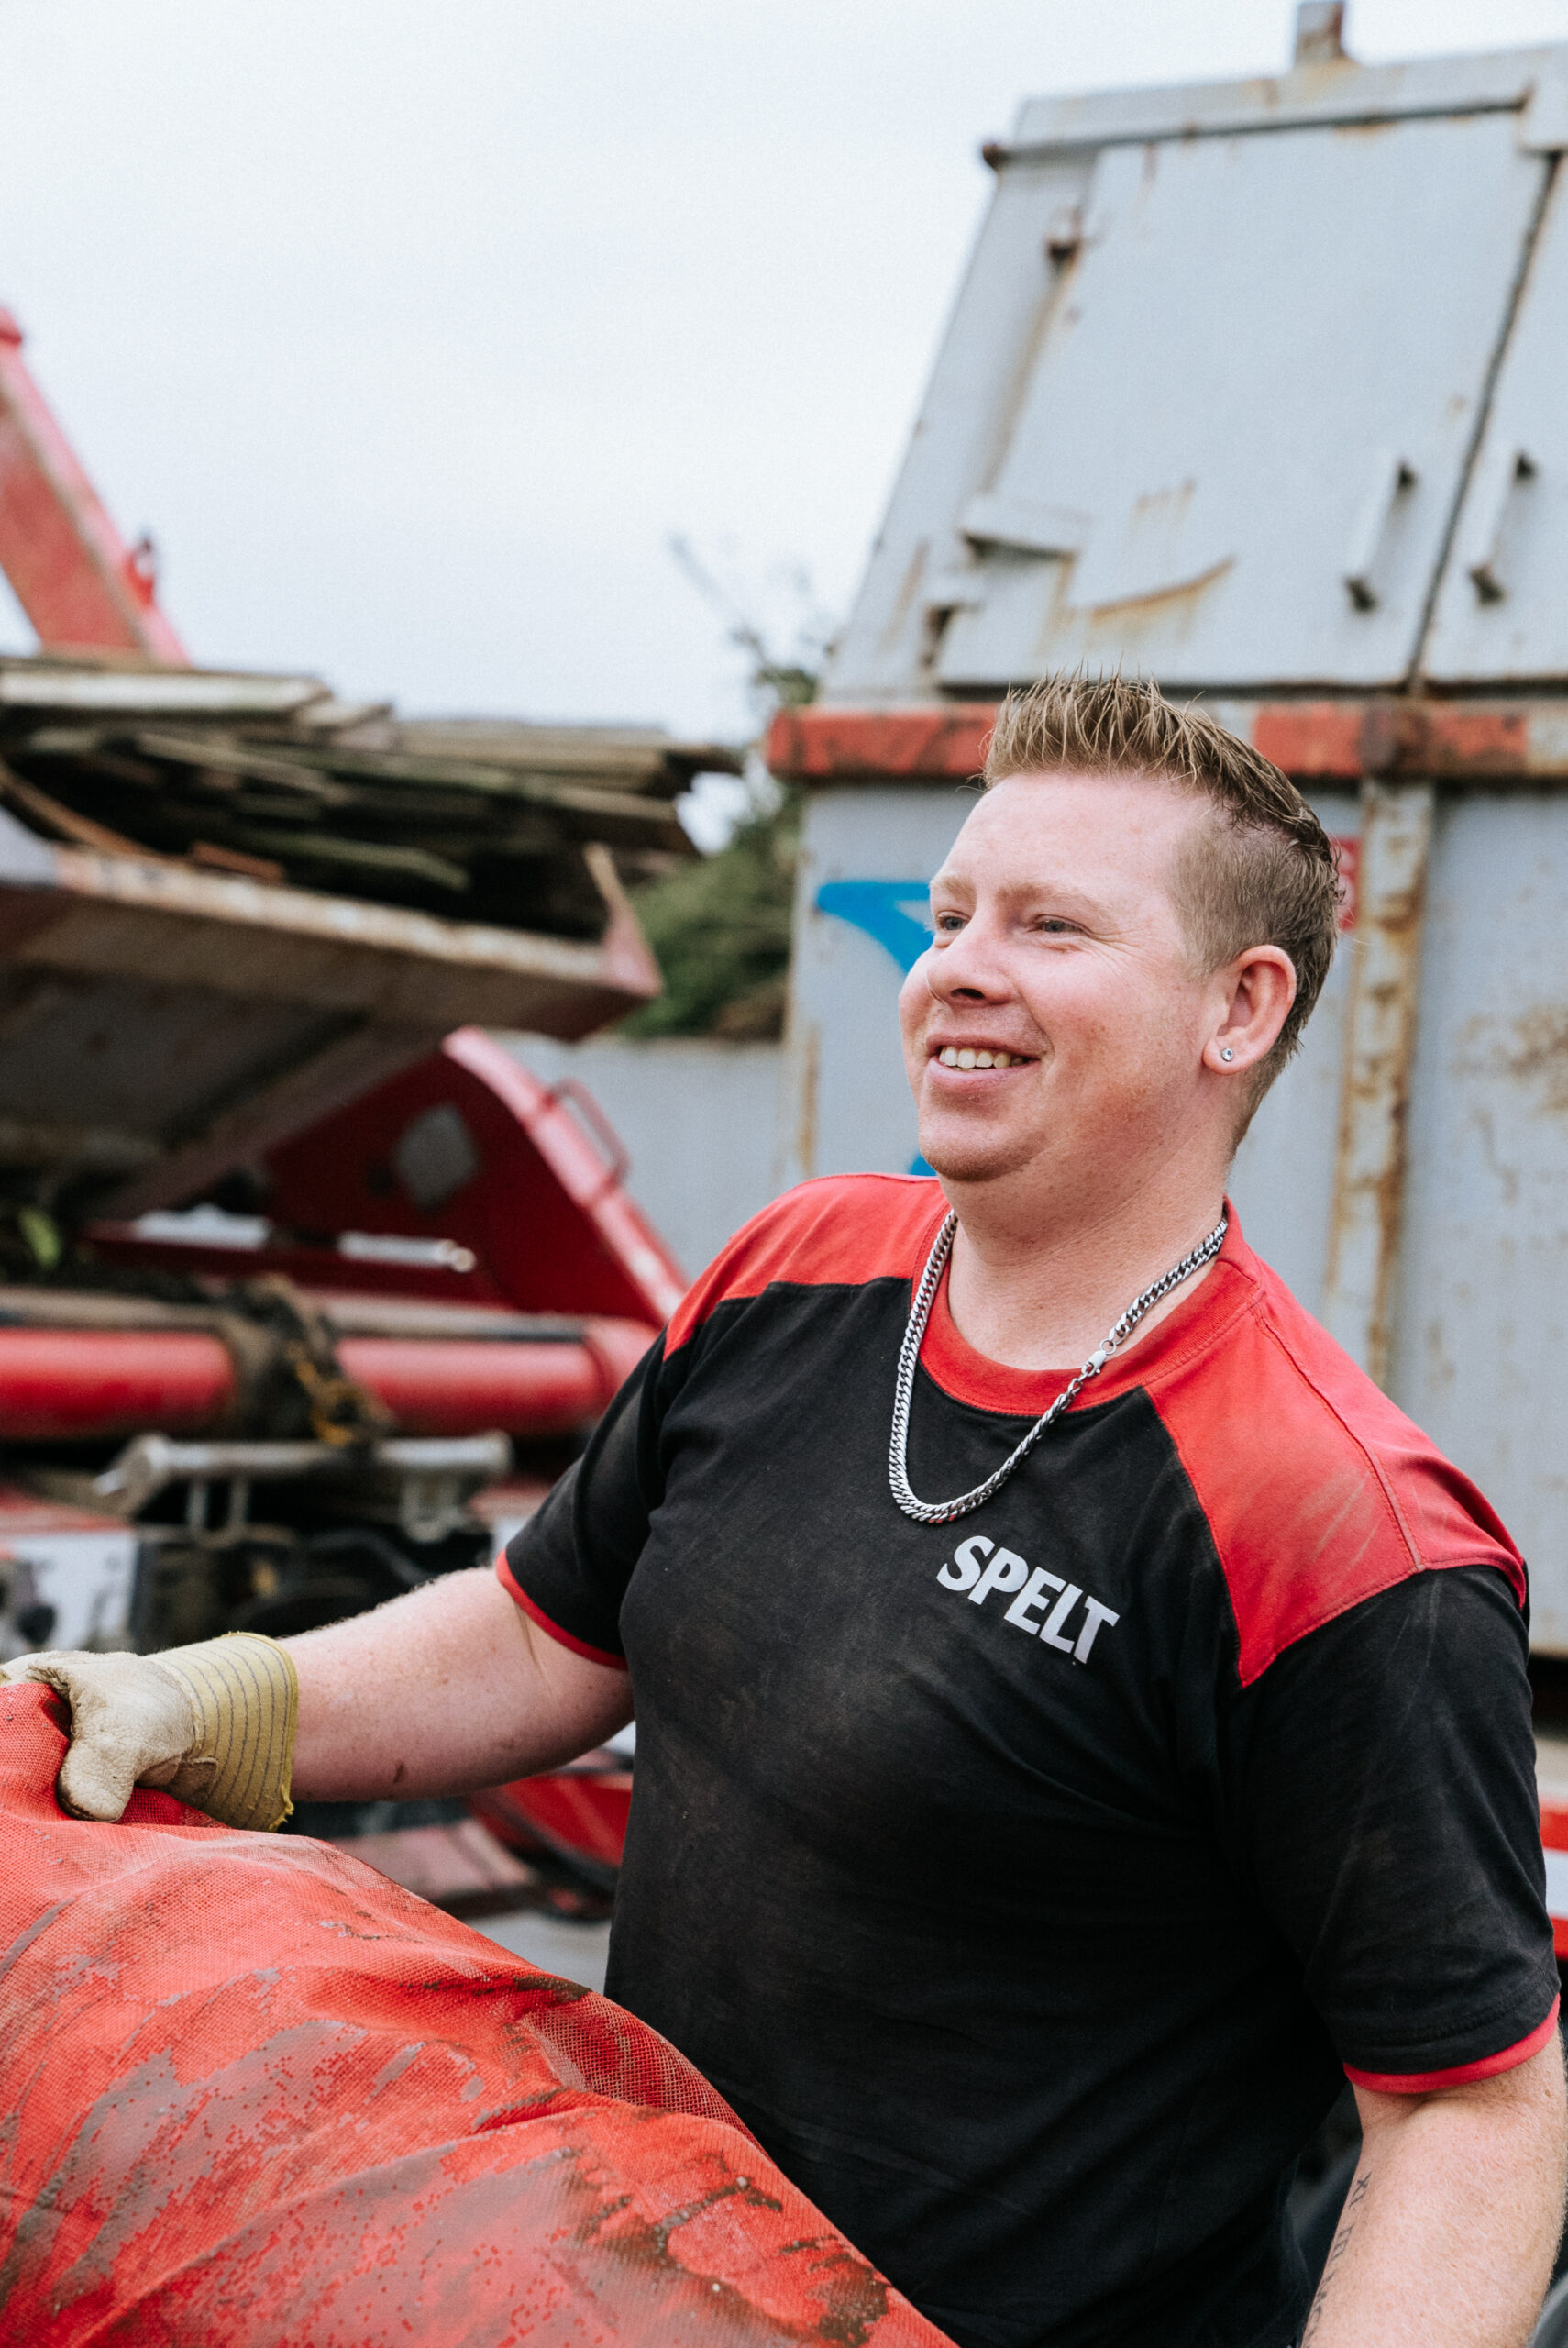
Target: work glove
<point x="212" y="1724"/>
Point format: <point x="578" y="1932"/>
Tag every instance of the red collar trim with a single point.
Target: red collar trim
<point x="947" y="1356"/>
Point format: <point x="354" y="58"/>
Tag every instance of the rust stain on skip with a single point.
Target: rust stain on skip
<point x="1161" y="603"/>
<point x="1341" y="740"/>
<point x="1380" y="1037"/>
<point x="1538" y="1053"/>
<point x="941" y="740"/>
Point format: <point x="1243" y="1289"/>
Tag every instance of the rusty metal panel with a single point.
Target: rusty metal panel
<point x="1258" y="394"/>
<point x="1482" y="1331"/>
<point x="1162" y="426"/>
<point x="1381" y="1015"/>
<point x="1316" y="742"/>
<point x="924" y="744"/>
<point x="1502" y="613"/>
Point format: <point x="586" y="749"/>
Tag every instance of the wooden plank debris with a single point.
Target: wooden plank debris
<point x="482" y="820"/>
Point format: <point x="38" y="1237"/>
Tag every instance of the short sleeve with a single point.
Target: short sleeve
<point x="570" y="1565"/>
<point x="1382" y="1793"/>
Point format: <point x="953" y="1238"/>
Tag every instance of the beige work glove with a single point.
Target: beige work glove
<point x="211" y="1724"/>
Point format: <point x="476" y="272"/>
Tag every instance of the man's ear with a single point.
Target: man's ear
<point x="1253" y="993"/>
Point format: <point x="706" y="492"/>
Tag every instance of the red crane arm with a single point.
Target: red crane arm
<point x="74" y="576"/>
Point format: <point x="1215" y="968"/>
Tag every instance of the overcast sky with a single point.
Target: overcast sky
<point x="414" y="328"/>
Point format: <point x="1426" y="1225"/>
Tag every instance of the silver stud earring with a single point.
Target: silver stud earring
<point x="1227" y="1054"/>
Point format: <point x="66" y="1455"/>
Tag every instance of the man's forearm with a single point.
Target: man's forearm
<point x="1451" y="2223"/>
<point x="440" y="1692"/>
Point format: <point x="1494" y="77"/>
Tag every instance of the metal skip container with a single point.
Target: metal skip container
<point x="1256" y="388"/>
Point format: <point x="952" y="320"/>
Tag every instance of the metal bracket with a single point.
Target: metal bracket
<point x="1023" y="524"/>
<point x="1319" y="32"/>
<point x="568" y="1093"/>
<point x="434" y="1476"/>
<point x="1486" y="569"/>
<point x="1544" y="125"/>
<point x="1393" y="477"/>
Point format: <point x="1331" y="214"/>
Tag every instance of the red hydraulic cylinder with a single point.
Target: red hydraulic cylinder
<point x="445" y="1386"/>
<point x="59" y="1385"/>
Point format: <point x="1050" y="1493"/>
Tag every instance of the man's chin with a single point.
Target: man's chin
<point x="970" y="1157"/>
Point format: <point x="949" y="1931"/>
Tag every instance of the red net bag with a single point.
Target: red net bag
<point x="254" y="2093"/>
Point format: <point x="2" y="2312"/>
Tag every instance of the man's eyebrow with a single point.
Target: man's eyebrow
<point x="1025" y="891"/>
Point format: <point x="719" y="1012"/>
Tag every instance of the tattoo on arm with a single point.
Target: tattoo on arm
<point x="1337" y="2250"/>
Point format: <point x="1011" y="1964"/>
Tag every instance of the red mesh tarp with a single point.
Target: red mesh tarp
<point x="251" y="2092"/>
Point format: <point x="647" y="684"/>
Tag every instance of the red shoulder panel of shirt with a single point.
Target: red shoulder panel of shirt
<point x="1318" y="1491"/>
<point x="842" y="1231"/>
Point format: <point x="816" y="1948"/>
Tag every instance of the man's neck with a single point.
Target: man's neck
<point x="1039" y="1291"/>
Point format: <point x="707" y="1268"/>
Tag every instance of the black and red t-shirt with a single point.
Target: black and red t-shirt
<point x="1028" y="1884"/>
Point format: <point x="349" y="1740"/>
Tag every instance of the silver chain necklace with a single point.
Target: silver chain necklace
<point x="944" y="1512"/>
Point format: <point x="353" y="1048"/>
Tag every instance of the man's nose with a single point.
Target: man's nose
<point x="967" y="966"/>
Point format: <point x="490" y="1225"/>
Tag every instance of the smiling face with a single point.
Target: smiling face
<point x="1059" y="1029"/>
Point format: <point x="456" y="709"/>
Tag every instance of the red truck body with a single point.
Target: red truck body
<point x="462" y="1264"/>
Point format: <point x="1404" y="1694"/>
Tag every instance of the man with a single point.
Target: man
<point x="1048" y="1787"/>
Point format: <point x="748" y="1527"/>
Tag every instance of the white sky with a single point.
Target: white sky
<point x="414" y="328"/>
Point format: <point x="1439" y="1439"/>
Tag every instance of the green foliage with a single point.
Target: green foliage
<point x="42" y="1235"/>
<point x="721" y="930"/>
<point x="721" y="927"/>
